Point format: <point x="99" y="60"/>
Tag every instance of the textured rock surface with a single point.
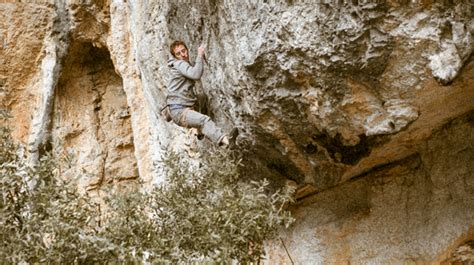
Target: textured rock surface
<point x="90" y="107"/>
<point x="368" y="107"/>
<point x="21" y="53"/>
<point x="414" y="211"/>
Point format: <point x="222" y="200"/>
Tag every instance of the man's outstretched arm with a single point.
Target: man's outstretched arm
<point x="192" y="72"/>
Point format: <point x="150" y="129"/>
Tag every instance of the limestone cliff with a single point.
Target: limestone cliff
<point x="366" y="107"/>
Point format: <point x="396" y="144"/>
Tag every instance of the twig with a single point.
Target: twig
<point x="287" y="253"/>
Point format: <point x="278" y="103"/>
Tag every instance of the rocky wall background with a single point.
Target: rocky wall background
<point x="365" y="107"/>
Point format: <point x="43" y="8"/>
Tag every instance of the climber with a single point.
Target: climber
<point x="181" y="97"/>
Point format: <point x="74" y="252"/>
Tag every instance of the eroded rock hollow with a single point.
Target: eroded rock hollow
<point x="366" y="107"/>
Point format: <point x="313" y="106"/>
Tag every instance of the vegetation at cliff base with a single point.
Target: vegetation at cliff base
<point x="203" y="213"/>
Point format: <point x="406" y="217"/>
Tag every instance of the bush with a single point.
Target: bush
<point x="199" y="215"/>
<point x="42" y="218"/>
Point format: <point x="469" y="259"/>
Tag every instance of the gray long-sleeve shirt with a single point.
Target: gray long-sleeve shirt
<point x="181" y="82"/>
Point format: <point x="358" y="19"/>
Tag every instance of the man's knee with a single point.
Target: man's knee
<point x="196" y="119"/>
<point x="205" y="119"/>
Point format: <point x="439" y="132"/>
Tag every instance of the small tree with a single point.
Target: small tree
<point x="46" y="223"/>
<point x="199" y="215"/>
<point x="203" y="214"/>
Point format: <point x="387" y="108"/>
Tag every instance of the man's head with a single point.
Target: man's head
<point x="179" y="50"/>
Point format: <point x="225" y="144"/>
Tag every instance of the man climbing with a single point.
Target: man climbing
<point x="181" y="98"/>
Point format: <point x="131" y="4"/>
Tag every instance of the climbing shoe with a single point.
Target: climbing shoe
<point x="229" y="141"/>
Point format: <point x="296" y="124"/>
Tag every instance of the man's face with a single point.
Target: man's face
<point x="181" y="53"/>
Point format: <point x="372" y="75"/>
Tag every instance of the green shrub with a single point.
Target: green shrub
<point x="202" y="213"/>
<point x="42" y="218"/>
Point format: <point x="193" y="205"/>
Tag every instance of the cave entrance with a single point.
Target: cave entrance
<point x="91" y="118"/>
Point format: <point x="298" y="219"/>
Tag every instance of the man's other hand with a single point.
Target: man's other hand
<point x="201" y="50"/>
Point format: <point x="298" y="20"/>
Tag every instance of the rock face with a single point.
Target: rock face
<point x="413" y="211"/>
<point x="90" y="107"/>
<point x="367" y="108"/>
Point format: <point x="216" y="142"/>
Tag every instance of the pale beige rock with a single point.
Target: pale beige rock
<point x="92" y="118"/>
<point x="21" y="52"/>
<point x="415" y="211"/>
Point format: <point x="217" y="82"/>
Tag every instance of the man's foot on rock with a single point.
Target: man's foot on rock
<point x="229" y="141"/>
<point x="224" y="142"/>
